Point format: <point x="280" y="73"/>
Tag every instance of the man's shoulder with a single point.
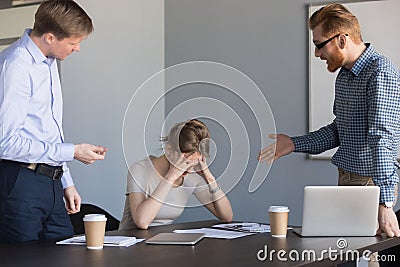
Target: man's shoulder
<point x="15" y="55"/>
<point x="382" y="63"/>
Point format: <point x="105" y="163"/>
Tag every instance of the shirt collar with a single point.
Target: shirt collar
<point x="363" y="59"/>
<point x="34" y="50"/>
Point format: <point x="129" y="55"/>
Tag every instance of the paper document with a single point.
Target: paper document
<point x="109" y="241"/>
<point x="215" y="233"/>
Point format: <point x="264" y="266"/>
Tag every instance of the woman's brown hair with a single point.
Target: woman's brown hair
<point x="189" y="137"/>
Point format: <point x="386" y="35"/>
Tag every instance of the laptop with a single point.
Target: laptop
<point x="340" y="211"/>
<point x="175" y="239"/>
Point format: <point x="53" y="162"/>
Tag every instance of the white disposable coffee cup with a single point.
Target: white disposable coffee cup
<point x="95" y="227"/>
<point x="278" y="220"/>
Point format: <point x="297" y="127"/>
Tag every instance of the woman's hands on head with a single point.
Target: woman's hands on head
<point x="203" y="170"/>
<point x="183" y="163"/>
<point x="178" y="164"/>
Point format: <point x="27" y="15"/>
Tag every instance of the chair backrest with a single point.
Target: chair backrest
<point x="77" y="218"/>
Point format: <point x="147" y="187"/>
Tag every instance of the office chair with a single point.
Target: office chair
<point x="77" y="218"/>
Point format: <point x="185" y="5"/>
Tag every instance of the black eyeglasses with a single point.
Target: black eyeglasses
<point x="320" y="45"/>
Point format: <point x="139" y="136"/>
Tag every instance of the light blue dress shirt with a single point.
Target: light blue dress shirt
<point x="367" y="122"/>
<point x="31" y="108"/>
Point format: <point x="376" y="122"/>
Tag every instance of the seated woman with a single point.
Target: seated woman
<point x="158" y="188"/>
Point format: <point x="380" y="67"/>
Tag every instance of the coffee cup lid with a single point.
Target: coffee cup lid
<point x="278" y="209"/>
<point x="94" y="218"/>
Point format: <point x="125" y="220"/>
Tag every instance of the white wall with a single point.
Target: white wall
<point x="125" y="49"/>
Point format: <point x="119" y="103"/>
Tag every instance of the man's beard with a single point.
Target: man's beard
<point x="335" y="61"/>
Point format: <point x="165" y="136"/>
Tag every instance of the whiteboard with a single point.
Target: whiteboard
<point x="379" y="22"/>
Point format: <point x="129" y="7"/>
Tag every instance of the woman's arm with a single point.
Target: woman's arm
<point x="217" y="203"/>
<point x="214" y="199"/>
<point x="144" y="210"/>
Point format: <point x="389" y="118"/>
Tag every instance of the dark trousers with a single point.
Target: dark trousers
<point x="31" y="206"/>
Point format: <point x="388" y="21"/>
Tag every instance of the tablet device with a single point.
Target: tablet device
<point x="175" y="239"/>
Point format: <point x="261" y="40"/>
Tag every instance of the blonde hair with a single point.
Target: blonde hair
<point x="63" y="18"/>
<point x="335" y="18"/>
<point x="189" y="137"/>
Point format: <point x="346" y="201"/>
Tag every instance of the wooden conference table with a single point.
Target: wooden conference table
<point x="208" y="252"/>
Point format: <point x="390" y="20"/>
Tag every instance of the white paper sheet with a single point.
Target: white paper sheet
<point x="215" y="233"/>
<point x="109" y="241"/>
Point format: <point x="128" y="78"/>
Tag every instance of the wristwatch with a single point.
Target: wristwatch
<point x="215" y="190"/>
<point x="387" y="205"/>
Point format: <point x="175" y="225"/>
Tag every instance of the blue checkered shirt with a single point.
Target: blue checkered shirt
<point x="366" y="128"/>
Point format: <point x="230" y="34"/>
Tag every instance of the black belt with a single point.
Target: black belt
<point x="54" y="172"/>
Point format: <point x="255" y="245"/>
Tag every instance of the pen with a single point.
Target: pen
<point x="247" y="225"/>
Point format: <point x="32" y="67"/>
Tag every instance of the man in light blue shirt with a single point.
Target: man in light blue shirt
<point x="34" y="176"/>
<point x="366" y="128"/>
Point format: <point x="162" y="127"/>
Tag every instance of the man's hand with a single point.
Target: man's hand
<point x="283" y="146"/>
<point x="88" y="154"/>
<point x="72" y="200"/>
<point x="388" y="223"/>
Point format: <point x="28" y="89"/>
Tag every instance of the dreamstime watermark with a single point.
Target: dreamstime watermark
<point x="340" y="253"/>
<point x="218" y="93"/>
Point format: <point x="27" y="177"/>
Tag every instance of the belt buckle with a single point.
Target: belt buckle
<point x="57" y="174"/>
